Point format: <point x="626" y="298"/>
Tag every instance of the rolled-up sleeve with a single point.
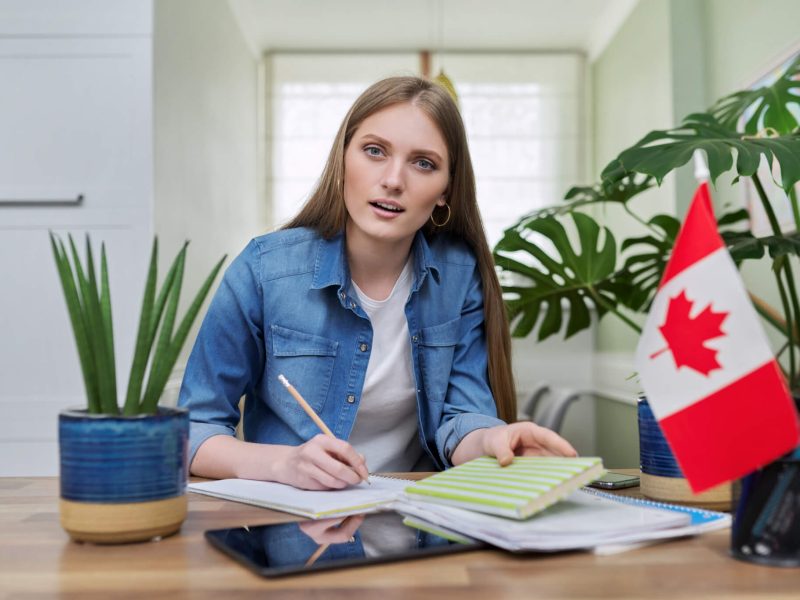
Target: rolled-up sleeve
<point x="228" y="355"/>
<point x="469" y="404"/>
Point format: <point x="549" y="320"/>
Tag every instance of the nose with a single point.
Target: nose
<point x="393" y="175"/>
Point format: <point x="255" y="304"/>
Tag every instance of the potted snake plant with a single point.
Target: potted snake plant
<point x="123" y="468"/>
<point x="590" y="272"/>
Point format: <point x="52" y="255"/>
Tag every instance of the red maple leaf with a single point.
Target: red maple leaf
<point x="686" y="336"/>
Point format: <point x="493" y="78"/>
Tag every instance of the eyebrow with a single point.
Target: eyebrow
<point x="388" y="144"/>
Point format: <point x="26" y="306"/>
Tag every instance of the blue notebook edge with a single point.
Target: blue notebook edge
<point x="699" y="516"/>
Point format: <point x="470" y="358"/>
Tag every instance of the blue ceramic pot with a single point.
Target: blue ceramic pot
<point x="661" y="475"/>
<point x="123" y="478"/>
<point x="655" y="455"/>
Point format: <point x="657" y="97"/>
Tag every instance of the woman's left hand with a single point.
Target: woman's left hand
<point x="507" y="441"/>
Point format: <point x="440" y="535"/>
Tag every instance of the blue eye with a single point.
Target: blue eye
<point x="430" y="166"/>
<point x="368" y="148"/>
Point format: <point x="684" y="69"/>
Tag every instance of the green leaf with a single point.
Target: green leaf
<point x="89" y="315"/>
<point x="660" y="152"/>
<point x="615" y="192"/>
<point x="151" y="400"/>
<point x="743" y="245"/>
<point x="108" y="324"/>
<point x="733" y="218"/>
<point x="767" y="106"/>
<point x="619" y="191"/>
<point x="165" y="336"/>
<point x="149" y="324"/>
<point x="78" y="321"/>
<point x="644" y="269"/>
<point x="143" y="342"/>
<point x="576" y="277"/>
<point x="97" y="335"/>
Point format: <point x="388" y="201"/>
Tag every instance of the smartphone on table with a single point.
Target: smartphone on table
<point x="615" y="481"/>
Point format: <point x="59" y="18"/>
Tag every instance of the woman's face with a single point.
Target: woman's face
<point x="395" y="173"/>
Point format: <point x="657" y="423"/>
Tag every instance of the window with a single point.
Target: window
<point x="522" y="112"/>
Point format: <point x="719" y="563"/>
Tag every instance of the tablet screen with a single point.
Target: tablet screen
<point x="287" y="548"/>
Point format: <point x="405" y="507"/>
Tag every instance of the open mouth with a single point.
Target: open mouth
<point x="385" y="206"/>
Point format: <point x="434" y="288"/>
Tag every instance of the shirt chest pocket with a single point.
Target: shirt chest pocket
<point x="437" y="346"/>
<point x="307" y="361"/>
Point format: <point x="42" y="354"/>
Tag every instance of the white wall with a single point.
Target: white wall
<point x="208" y="162"/>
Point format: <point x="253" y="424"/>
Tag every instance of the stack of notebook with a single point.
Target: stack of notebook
<point x="533" y="504"/>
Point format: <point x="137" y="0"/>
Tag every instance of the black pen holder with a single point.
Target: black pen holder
<point x="766" y="524"/>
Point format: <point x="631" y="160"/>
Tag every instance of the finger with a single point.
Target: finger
<point x="324" y="478"/>
<point x="501" y="448"/>
<point x="315" y="529"/>
<point x="536" y="452"/>
<point x="351" y="525"/>
<point x="532" y="435"/>
<point x="347" y="455"/>
<point x="332" y="465"/>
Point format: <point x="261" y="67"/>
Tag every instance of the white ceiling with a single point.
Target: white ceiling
<point x="545" y="25"/>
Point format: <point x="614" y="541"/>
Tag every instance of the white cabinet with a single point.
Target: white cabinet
<point x="76" y="119"/>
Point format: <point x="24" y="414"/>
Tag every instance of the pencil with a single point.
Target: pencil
<point x="317" y="553"/>
<point x="309" y="411"/>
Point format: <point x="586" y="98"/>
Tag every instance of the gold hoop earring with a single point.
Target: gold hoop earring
<point x="446" y="221"/>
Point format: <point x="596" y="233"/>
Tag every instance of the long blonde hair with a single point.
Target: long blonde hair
<point x="325" y="210"/>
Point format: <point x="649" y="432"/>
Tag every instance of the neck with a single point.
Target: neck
<point x="375" y="265"/>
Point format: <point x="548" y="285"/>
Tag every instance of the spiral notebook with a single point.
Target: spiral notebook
<point x="518" y="490"/>
<point x="586" y="519"/>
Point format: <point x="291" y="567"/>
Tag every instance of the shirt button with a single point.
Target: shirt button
<point x="352" y="304"/>
<point x="351" y="398"/>
<point x="341" y="295"/>
<point x="363" y="347"/>
<point x="414" y="338"/>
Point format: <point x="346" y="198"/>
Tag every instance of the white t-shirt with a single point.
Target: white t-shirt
<point x="386" y="430"/>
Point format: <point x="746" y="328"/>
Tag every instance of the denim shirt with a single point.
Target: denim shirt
<point x="286" y="306"/>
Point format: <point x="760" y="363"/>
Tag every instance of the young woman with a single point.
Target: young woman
<point x="379" y="303"/>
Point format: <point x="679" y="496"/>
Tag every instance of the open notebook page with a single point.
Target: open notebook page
<point x="359" y="498"/>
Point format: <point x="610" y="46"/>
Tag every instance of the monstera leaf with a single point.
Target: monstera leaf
<point x="608" y="191"/>
<point x="581" y="275"/>
<point x="660" y="152"/>
<point x="767" y="106"/>
<point x="643" y="270"/>
<point x="744" y="245"/>
<point x="618" y="192"/>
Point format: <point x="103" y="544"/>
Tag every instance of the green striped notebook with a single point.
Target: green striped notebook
<point x="523" y="488"/>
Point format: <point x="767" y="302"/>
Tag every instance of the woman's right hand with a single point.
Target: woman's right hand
<point x="332" y="531"/>
<point x="322" y="463"/>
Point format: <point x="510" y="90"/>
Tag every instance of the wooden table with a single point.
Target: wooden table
<point x="38" y="559"/>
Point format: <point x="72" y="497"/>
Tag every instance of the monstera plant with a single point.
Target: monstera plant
<point x="561" y="256"/>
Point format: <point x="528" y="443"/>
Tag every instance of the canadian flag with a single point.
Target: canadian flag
<point x="704" y="363"/>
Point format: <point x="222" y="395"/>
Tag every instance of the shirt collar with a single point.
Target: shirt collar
<point x="331" y="267"/>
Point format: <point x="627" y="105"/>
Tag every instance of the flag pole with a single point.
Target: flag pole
<point x="701" y="172"/>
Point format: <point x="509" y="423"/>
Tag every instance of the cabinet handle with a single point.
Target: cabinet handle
<point x="45" y="202"/>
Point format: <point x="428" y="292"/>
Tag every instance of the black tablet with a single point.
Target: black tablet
<point x="307" y="546"/>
